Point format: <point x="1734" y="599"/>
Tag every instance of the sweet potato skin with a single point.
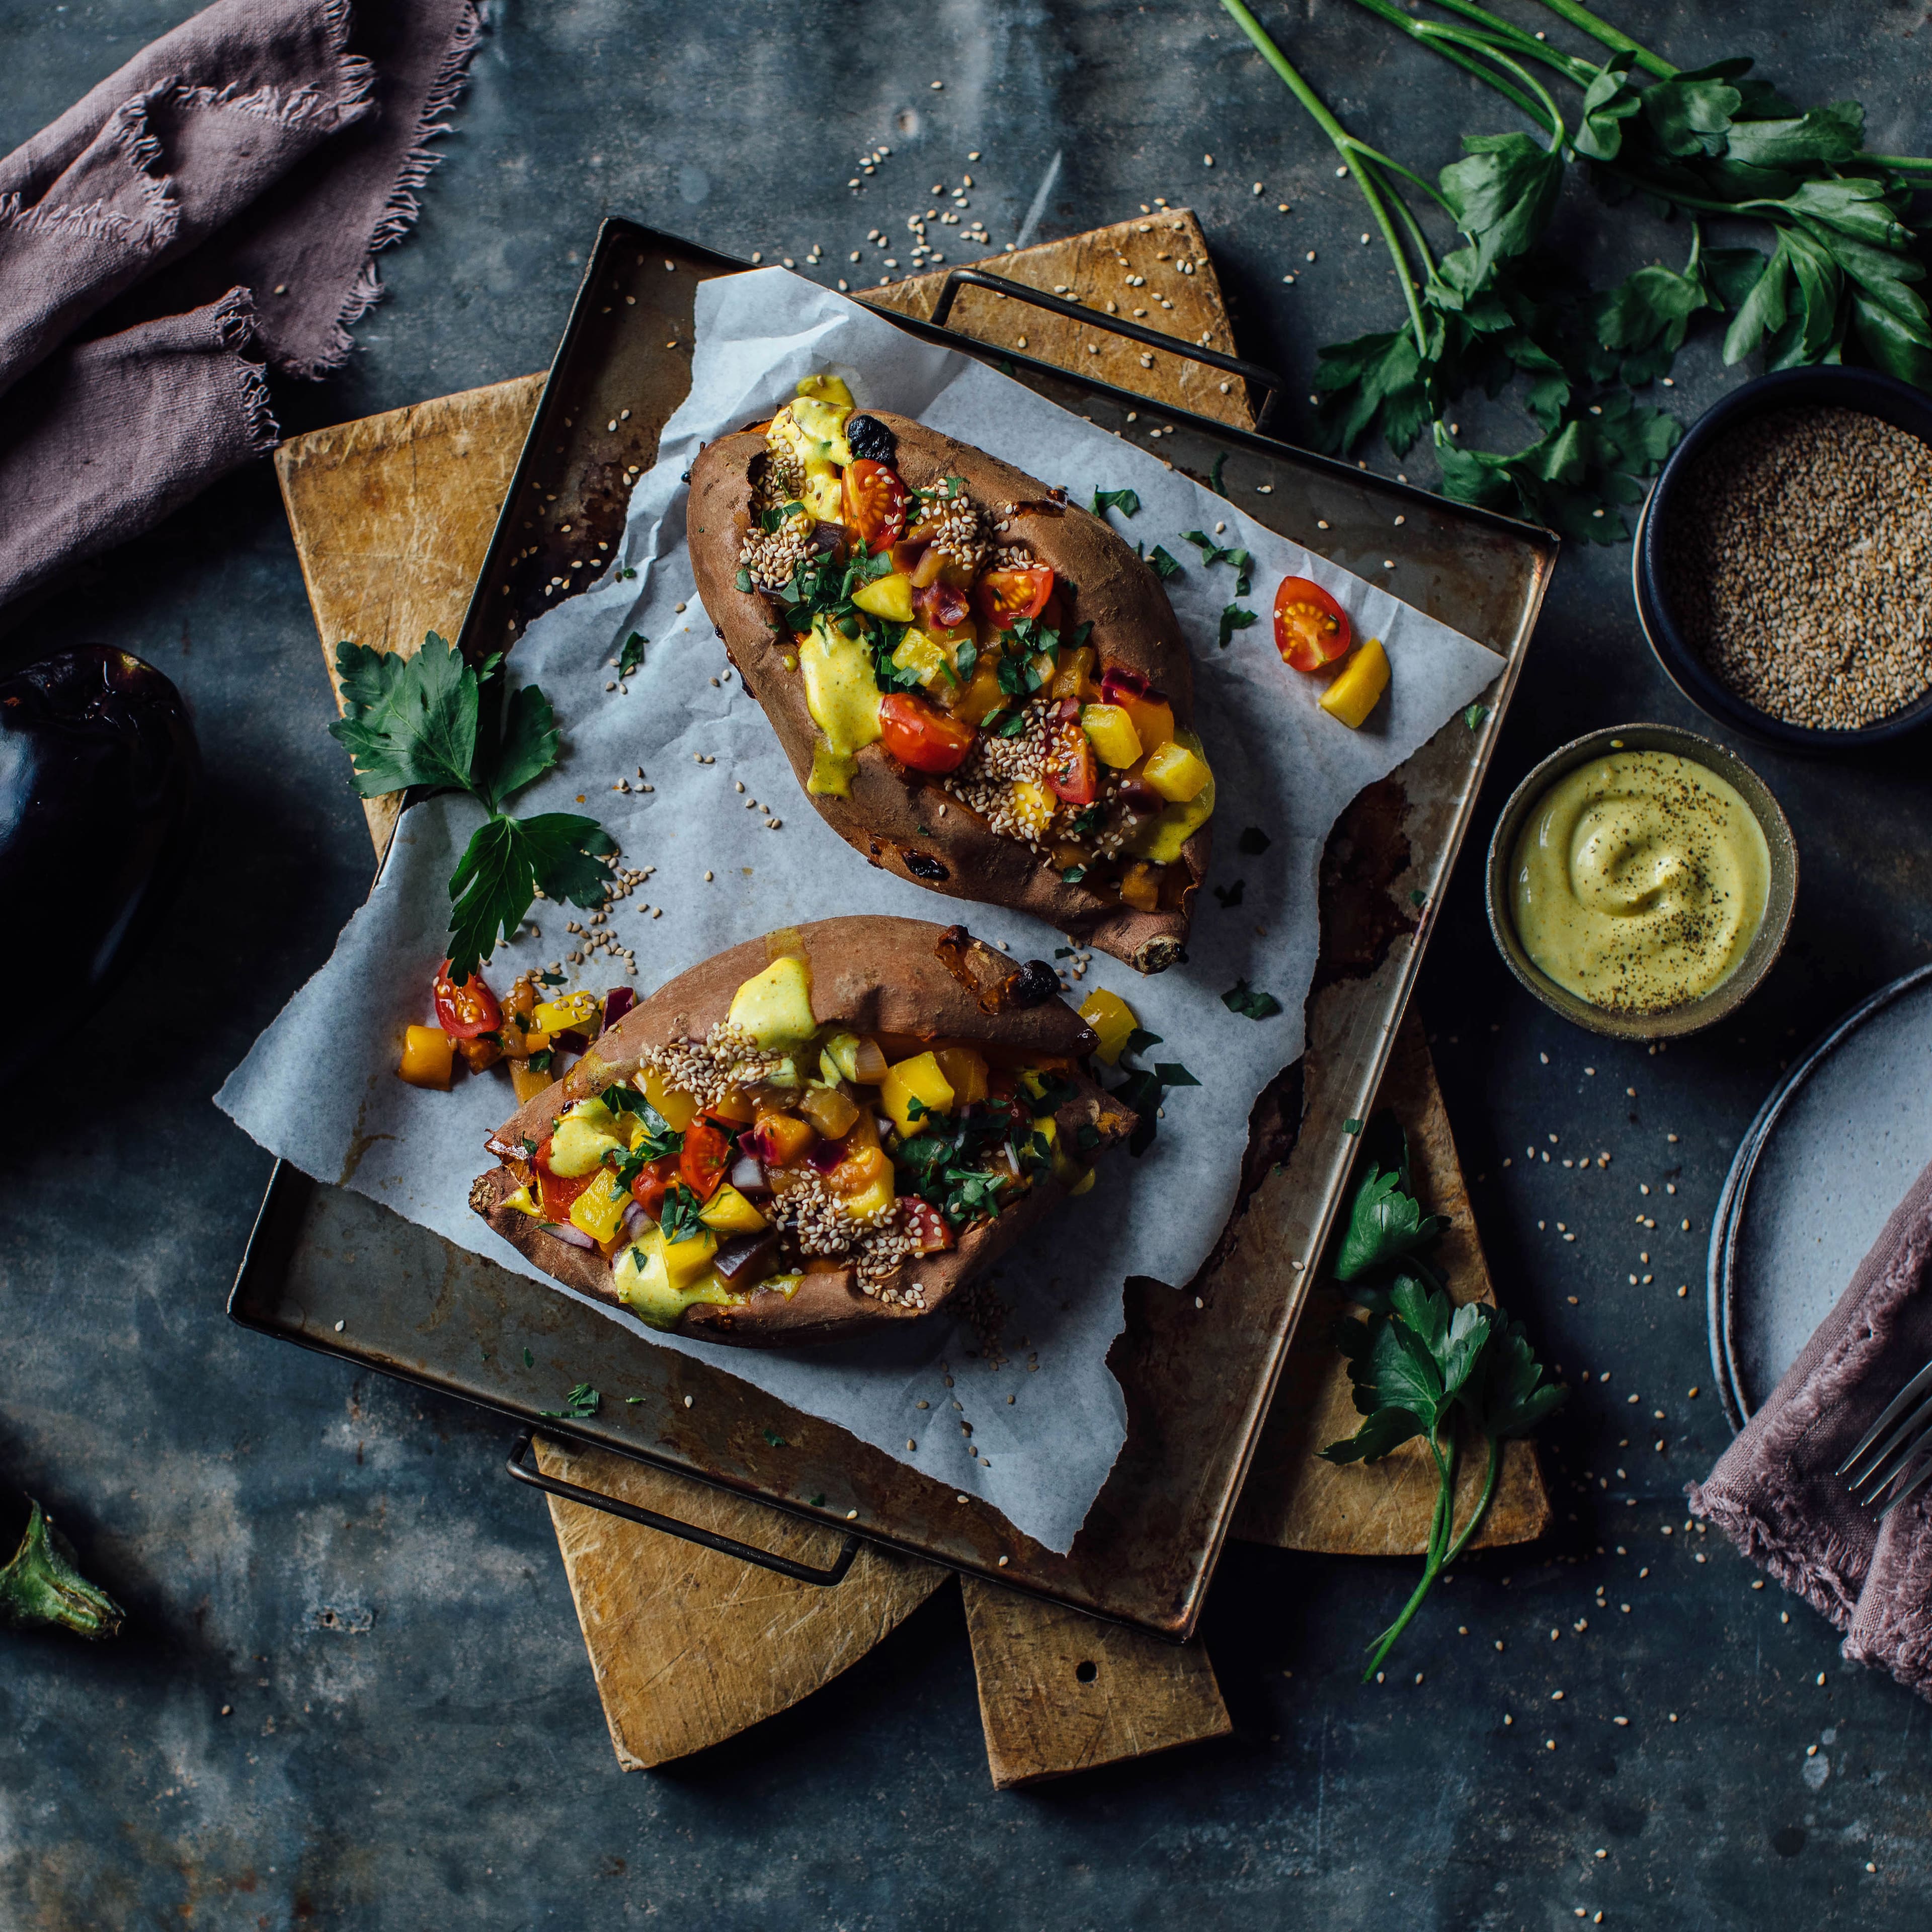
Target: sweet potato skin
<point x="1134" y="626"/>
<point x="902" y="976"/>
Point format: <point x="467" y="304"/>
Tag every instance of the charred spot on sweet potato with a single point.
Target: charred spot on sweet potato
<point x="922" y="865"/>
<point x="1036" y="981"/>
<point x="870" y="440"/>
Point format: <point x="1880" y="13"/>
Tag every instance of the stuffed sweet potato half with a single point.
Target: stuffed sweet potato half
<point x="807" y="1136"/>
<point x="980" y="686"/>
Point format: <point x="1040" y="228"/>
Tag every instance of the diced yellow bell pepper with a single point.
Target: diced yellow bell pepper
<point x="1111" y="732"/>
<point x="918" y="1078"/>
<point x="862" y="1183"/>
<point x="428" y="1058"/>
<point x="599" y="1210"/>
<point x="727" y="1212"/>
<point x="1032" y="805"/>
<point x="774" y="1006"/>
<point x="572" y="1013"/>
<point x="1177" y="773"/>
<point x="679" y="1109"/>
<point x="966" y="1073"/>
<point x="1153" y="719"/>
<point x="1161" y="839"/>
<point x="524" y="1203"/>
<point x="887" y="597"/>
<point x="925" y="658"/>
<point x="1356" y="688"/>
<point x="1111" y="1018"/>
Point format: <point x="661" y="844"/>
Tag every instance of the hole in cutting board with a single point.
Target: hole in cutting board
<point x="1086" y="1671"/>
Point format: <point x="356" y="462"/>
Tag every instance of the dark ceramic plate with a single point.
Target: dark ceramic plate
<point x="1831" y="1153"/>
<point x="1830" y="386"/>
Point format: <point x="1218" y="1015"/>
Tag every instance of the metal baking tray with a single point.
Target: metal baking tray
<point x="327" y="1268"/>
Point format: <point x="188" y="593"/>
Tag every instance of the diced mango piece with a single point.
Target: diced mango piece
<point x="775" y="1006"/>
<point x="678" y="1110"/>
<point x="965" y="1069"/>
<point x="575" y="1012"/>
<point x="1162" y="839"/>
<point x="1032" y="805"/>
<point x="1082" y="1185"/>
<point x="1111" y="1018"/>
<point x="599" y="1210"/>
<point x="887" y="597"/>
<point x="1177" y="773"/>
<point x="428" y="1058"/>
<point x="1153" y="719"/>
<point x="1073" y="675"/>
<point x="1111" y="732"/>
<point x="785" y="1138"/>
<point x="527" y="1082"/>
<point x="582" y="1138"/>
<point x="982" y="697"/>
<point x="823" y="495"/>
<point x="727" y="1212"/>
<point x="916" y="1079"/>
<point x="734" y="1105"/>
<point x="1140" y="888"/>
<point x="1356" y="688"/>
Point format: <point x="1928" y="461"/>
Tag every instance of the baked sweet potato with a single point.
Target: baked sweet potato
<point x="980" y="686"/>
<point x="807" y="1136"/>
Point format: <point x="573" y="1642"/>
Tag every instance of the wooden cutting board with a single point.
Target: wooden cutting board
<point x="391" y="516"/>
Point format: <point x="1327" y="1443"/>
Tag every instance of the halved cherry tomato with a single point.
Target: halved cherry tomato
<point x="1311" y="629"/>
<point x="1071" y="774"/>
<point x="465" y="1011"/>
<point x="1003" y="597"/>
<point x="707" y="1153"/>
<point x="649" y="1189"/>
<point x="920" y="737"/>
<point x="927" y="1227"/>
<point x="875" y="503"/>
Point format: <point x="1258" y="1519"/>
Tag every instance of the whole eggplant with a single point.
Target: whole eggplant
<point x="100" y="791"/>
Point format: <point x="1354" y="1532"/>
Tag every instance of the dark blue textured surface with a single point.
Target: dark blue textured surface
<point x="412" y="1738"/>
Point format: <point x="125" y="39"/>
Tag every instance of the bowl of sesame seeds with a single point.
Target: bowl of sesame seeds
<point x="1782" y="562"/>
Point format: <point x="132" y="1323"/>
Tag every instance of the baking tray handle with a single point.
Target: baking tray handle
<point x="725" y="1546"/>
<point x="1264" y="379"/>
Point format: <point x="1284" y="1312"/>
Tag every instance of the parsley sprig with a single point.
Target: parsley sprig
<point x="1710" y="142"/>
<point x="1419" y="1363"/>
<point x="432" y="720"/>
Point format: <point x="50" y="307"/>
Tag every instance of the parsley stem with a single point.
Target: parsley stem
<point x="1344" y="144"/>
<point x="1581" y="72"/>
<point x="1617" y="41"/>
<point x="1450" y="51"/>
<point x="1445" y="1513"/>
<point x="1482" y="1510"/>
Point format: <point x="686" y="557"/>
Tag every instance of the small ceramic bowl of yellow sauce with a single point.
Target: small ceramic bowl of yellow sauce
<point x="1641" y="881"/>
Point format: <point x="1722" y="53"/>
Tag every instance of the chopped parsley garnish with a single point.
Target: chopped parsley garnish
<point x="1212" y="554"/>
<point x="777" y="1441"/>
<point x="779" y="515"/>
<point x="1253" y="841"/>
<point x="1127" y="501"/>
<point x="1473" y="716"/>
<point x="580" y="1405"/>
<point x="1230" y="896"/>
<point x="530" y="1361"/>
<point x="539" y="1062"/>
<point x="1235" y="618"/>
<point x="1165" y="567"/>
<point x="1072" y="875"/>
<point x="1064" y="952"/>
<point x="679" y="1220"/>
<point x="1143" y="1088"/>
<point x="1243" y="998"/>
<point x="1013" y="727"/>
<point x="551" y="979"/>
<point x="817" y="1501"/>
<point x="632" y="655"/>
<point x="1214" y="482"/>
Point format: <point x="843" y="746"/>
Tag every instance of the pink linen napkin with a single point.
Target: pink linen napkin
<point x="216" y="202"/>
<point x="1776" y="1492"/>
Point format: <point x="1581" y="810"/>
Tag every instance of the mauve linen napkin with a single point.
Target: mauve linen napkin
<point x="1775" y="1492"/>
<point x="217" y="201"/>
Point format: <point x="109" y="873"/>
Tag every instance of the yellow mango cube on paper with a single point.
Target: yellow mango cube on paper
<point x="1357" y="687"/>
<point x="1112" y="1019"/>
<point x="428" y="1058"/>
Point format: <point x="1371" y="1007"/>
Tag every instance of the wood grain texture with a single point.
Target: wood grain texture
<point x="1180" y="296"/>
<point x="1296" y="1501"/>
<point x="689" y="1647"/>
<point x="1060" y="1692"/>
<point x="392" y="516"/>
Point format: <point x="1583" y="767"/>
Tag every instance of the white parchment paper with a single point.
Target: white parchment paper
<point x="1034" y="1435"/>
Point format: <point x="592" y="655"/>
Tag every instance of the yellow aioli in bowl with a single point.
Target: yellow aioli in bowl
<point x="1639" y="881"/>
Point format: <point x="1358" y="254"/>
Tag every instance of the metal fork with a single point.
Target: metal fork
<point x="1902" y="1460"/>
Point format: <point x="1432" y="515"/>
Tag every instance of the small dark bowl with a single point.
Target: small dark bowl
<point x="1830" y="386"/>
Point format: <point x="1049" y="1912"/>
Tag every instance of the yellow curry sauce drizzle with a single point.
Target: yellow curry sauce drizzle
<point x="1639" y="881"/>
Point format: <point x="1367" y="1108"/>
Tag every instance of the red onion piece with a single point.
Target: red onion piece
<point x="575" y="1237"/>
<point x="1117" y="678"/>
<point x="748" y="1175"/>
<point x="635" y="1219"/>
